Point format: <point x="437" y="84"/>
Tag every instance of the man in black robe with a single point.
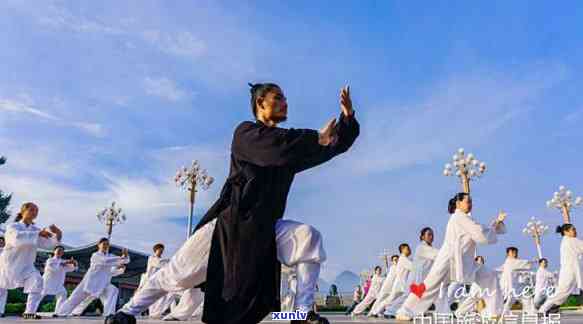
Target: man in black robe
<point x="237" y="249"/>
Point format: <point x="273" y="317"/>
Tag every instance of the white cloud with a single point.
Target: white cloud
<point x="182" y="43"/>
<point x="26" y="106"/>
<point x="164" y="88"/>
<point x="61" y="18"/>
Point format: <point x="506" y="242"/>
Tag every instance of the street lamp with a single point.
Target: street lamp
<point x="111" y="216"/>
<point x="466" y="167"/>
<point x="384" y="255"/>
<point x="189" y="180"/>
<point x="536" y="229"/>
<point x="563" y="200"/>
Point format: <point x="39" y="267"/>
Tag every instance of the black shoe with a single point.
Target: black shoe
<point x="31" y="316"/>
<point x="2" y="315"/>
<point x="120" y="318"/>
<point x="553" y="310"/>
<point x="170" y="319"/>
<point x="312" y="318"/>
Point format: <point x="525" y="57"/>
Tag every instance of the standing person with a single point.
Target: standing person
<point x="455" y="262"/>
<point x="512" y="289"/>
<point x="17" y="269"/>
<point x="425" y="255"/>
<point x="56" y="269"/>
<point x="356" y="299"/>
<point x="155" y="263"/>
<point x="97" y="281"/>
<point x="544" y="283"/>
<point x="373" y="291"/>
<point x="400" y="281"/>
<point x="389" y="281"/>
<point x="570" y="275"/>
<point x="237" y="247"/>
<point x="78" y="311"/>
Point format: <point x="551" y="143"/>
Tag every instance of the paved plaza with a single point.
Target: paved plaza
<point x="566" y="318"/>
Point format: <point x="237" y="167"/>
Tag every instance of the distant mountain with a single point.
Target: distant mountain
<point x="346" y="281"/>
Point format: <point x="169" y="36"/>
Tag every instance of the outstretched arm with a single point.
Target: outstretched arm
<point x="345" y="132"/>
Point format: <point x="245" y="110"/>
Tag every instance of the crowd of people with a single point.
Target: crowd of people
<point x="455" y="280"/>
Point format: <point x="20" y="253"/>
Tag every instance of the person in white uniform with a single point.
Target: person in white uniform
<point x="570" y="275"/>
<point x="512" y="288"/>
<point x="155" y="263"/>
<point x="455" y="263"/>
<point x="56" y="269"/>
<point x="423" y="259"/>
<point x="17" y="269"/>
<point x="97" y="281"/>
<point x="78" y="311"/>
<point x="400" y="281"/>
<point x="373" y="292"/>
<point x="544" y="283"/>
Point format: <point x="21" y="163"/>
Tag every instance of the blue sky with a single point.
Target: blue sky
<point x="102" y="101"/>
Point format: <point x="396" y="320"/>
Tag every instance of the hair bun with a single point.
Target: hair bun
<point x="559" y="229"/>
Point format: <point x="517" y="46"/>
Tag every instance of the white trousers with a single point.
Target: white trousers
<point x="190" y="301"/>
<point x="33" y="286"/>
<point x="563" y="291"/>
<point x="298" y="245"/>
<point x="381" y="305"/>
<point x="526" y="300"/>
<point x="60" y="298"/>
<point x="80" y="299"/>
<point x="161" y="305"/>
<point x="486" y="287"/>
<point x="368" y="300"/>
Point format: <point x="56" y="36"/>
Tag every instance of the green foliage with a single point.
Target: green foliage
<point x="15" y="308"/>
<point x="572" y="301"/>
<point x="48" y="307"/>
<point x="16" y="296"/>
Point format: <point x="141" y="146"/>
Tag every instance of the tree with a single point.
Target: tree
<point x="4" y="200"/>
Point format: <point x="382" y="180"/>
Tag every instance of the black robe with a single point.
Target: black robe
<point x="243" y="278"/>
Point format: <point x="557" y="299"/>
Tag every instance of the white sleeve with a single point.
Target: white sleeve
<point x="107" y="260"/>
<point x="117" y="271"/>
<point x="52" y="265"/>
<point x="479" y="233"/>
<point x="47" y="243"/>
<point x="579" y="246"/>
<point x="406" y="263"/>
<point x="16" y="238"/>
<point x="426" y="252"/>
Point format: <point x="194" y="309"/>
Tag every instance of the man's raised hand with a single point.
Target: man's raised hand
<point x="327" y="133"/>
<point x="346" y="102"/>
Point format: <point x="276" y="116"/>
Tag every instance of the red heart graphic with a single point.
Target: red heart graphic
<point x="418" y="290"/>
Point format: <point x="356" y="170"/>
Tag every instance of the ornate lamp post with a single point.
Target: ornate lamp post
<point x="563" y="200"/>
<point x="111" y="216"/>
<point x="536" y="229"/>
<point x="466" y="167"/>
<point x="384" y="255"/>
<point x="189" y="180"/>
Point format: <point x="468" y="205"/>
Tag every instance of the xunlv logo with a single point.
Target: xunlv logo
<point x="286" y="316"/>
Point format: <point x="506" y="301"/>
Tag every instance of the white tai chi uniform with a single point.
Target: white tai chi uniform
<point x="387" y="285"/>
<point x="54" y="280"/>
<point x="570" y="276"/>
<point x="371" y="296"/>
<point x="425" y="255"/>
<point x="96" y="284"/>
<point x="511" y="287"/>
<point x="78" y="311"/>
<point x="544" y="285"/>
<point x="455" y="263"/>
<point x="298" y="245"/>
<point x="289" y="292"/>
<point x="17" y="263"/>
<point x="161" y="305"/>
<point x="400" y="285"/>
